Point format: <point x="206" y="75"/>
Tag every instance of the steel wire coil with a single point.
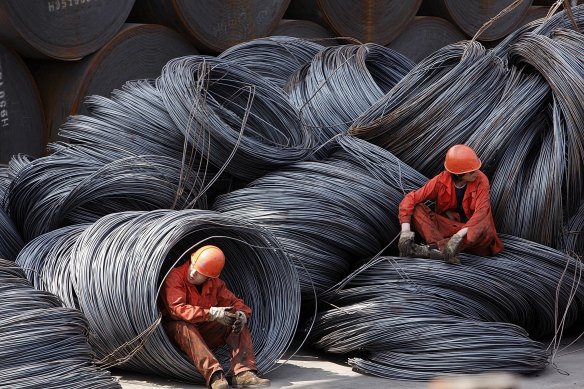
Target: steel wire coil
<point x="274" y="57"/>
<point x="43" y="344"/>
<point x="46" y="262"/>
<point x="233" y="116"/>
<point x="10" y="241"/>
<point x="416" y="117"/>
<point x="419" y="318"/>
<point x="70" y="187"/>
<point x="101" y="264"/>
<point x="133" y="120"/>
<point x="341" y="83"/>
<point x="559" y="60"/>
<point x="325" y="213"/>
<point x="574" y="237"/>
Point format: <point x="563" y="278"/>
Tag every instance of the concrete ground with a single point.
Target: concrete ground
<point x="308" y="369"/>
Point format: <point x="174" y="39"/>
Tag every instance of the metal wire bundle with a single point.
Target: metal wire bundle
<point x="4" y="181"/>
<point x="441" y="102"/>
<point x="71" y="187"/>
<point x="10" y="240"/>
<point x="342" y="82"/>
<point x="418" y="318"/>
<point x="46" y="262"/>
<point x="574" y="237"/>
<point x="133" y="121"/>
<point x="325" y="213"/>
<point x="275" y="57"/>
<point x="234" y="117"/>
<point x="43" y="344"/>
<point x="113" y="271"/>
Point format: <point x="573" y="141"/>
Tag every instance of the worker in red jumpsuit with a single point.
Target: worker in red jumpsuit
<point x="462" y="218"/>
<point x="200" y="313"/>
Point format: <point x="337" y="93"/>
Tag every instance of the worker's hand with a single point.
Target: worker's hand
<point x="240" y="322"/>
<point x="453" y="247"/>
<point x="406" y="238"/>
<point x="222" y="315"/>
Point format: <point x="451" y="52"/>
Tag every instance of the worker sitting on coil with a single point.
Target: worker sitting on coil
<point x="200" y="313"/>
<point x="462" y="219"/>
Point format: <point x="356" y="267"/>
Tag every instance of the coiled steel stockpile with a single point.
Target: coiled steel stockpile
<point x="69" y="188"/>
<point x="327" y="213"/>
<point x="107" y="258"/>
<point x="340" y="83"/>
<point x="10" y="242"/>
<point x="524" y="121"/>
<point x="275" y="58"/>
<point x="43" y="344"/>
<point x="419" y="318"/>
<point x="232" y="116"/>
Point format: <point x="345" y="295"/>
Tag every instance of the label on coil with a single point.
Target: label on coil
<point x="4" y="119"/>
<point x="60" y="5"/>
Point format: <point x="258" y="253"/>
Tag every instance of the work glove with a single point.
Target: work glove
<point x="453" y="247"/>
<point x="222" y="315"/>
<point x="406" y="238"/>
<point x="240" y="322"/>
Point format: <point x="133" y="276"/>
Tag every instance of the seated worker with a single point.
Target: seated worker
<point x="462" y="218"/>
<point x="200" y="313"/>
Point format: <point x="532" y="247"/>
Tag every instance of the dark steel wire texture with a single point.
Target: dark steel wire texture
<point x="43" y="344"/>
<point x="113" y="269"/>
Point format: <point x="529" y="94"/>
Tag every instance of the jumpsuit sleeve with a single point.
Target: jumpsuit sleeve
<point x="226" y="298"/>
<point x="427" y="192"/>
<point x="480" y="219"/>
<point x="175" y="297"/>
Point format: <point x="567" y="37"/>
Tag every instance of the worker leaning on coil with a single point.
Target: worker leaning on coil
<point x="200" y="313"/>
<point x="462" y="218"/>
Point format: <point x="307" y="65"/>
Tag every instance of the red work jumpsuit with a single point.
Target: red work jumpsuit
<point x="186" y="320"/>
<point x="436" y="228"/>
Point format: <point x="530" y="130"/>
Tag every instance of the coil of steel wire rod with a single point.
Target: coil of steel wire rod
<point x="328" y="212"/>
<point x="46" y="262"/>
<point x="138" y="51"/>
<point x="213" y="25"/>
<point x="117" y="266"/>
<point x="42" y="343"/>
<point x="21" y="111"/>
<point x="424" y="35"/>
<point x="305" y="29"/>
<point x="66" y="30"/>
<point x="415" y="118"/>
<point x="342" y="82"/>
<point x="232" y="116"/>
<point x="133" y="120"/>
<point x="10" y="241"/>
<point x="4" y="182"/>
<point x="368" y="21"/>
<point x="574" y="238"/>
<point x="418" y="318"/>
<point x="275" y="57"/>
<point x="71" y="188"/>
<point x="471" y="16"/>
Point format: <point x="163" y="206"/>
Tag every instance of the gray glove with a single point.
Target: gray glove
<point x="406" y="238"/>
<point x="240" y="321"/>
<point x="453" y="247"/>
<point x="221" y="315"/>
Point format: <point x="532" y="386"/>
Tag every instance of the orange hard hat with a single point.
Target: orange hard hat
<point x="461" y="159"/>
<point x="208" y="260"/>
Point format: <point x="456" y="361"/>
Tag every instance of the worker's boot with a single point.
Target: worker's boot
<point x="249" y="379"/>
<point x="218" y="381"/>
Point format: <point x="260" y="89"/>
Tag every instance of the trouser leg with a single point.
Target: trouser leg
<point x="189" y="339"/>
